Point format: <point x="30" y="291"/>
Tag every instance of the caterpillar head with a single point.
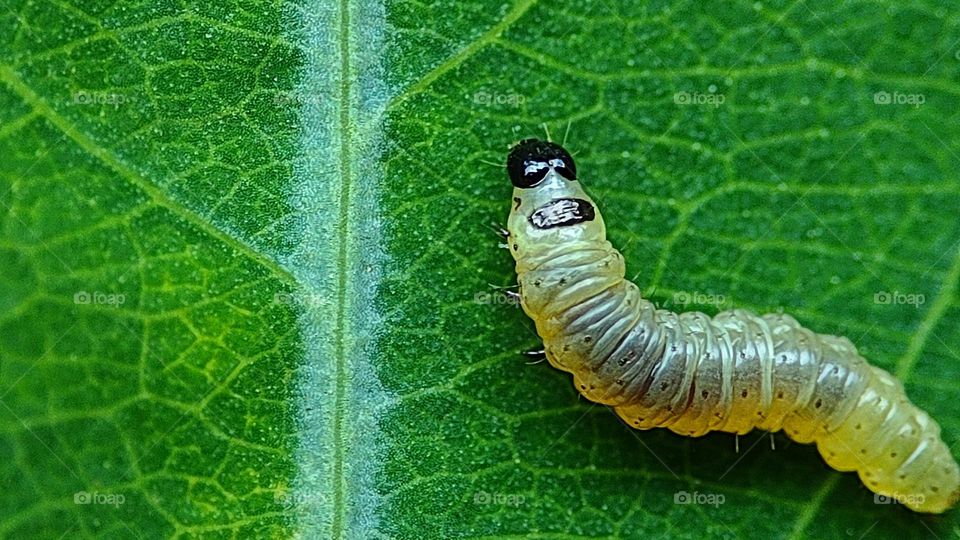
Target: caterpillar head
<point x="549" y="205"/>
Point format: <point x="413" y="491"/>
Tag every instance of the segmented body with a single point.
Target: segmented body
<point x="694" y="374"/>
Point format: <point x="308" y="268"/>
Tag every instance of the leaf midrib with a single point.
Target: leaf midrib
<point x="343" y="232"/>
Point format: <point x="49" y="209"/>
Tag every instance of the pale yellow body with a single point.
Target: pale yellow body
<point x="734" y="372"/>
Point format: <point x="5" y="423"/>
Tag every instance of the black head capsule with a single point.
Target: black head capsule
<point x="531" y="159"/>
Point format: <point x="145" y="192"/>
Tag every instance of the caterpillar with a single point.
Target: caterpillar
<point x="694" y="374"/>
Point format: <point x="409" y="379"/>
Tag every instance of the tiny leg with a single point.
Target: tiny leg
<point x="538" y="355"/>
<point x="499" y="230"/>
<point x="503" y="233"/>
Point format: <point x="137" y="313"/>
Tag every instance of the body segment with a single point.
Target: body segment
<point x="694" y="374"/>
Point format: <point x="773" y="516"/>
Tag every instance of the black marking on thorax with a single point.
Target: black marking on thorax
<point x="563" y="213"/>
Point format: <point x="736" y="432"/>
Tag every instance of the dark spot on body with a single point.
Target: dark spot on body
<point x="517" y="201"/>
<point x="563" y="212"/>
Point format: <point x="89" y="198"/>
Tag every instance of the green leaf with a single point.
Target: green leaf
<point x="780" y="184"/>
<point x="246" y="258"/>
<point x="149" y="377"/>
